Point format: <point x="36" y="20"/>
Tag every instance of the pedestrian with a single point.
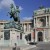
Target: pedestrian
<point x="15" y="46"/>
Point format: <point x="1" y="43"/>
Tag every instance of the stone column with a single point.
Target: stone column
<point x="32" y="36"/>
<point x="27" y="26"/>
<point x="36" y="37"/>
<point x="24" y="27"/>
<point x="46" y="20"/>
<point x="34" y="22"/>
<point x="49" y="20"/>
<point x="44" y="35"/>
<point x="49" y="34"/>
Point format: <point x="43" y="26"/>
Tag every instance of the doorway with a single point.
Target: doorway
<point x="40" y="36"/>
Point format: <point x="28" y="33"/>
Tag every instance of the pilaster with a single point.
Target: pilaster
<point x="46" y="20"/>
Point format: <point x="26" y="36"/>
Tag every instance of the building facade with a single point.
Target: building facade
<point x="10" y="33"/>
<point x="42" y="25"/>
<point x="27" y="26"/>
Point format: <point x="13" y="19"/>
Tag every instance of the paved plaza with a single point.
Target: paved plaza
<point x="39" y="46"/>
<point x="42" y="46"/>
<point x="24" y="47"/>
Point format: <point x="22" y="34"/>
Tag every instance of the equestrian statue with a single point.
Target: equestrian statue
<point x="14" y="13"/>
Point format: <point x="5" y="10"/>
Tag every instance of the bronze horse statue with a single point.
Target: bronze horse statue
<point x="14" y="13"/>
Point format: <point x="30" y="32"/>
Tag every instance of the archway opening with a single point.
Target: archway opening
<point x="40" y="36"/>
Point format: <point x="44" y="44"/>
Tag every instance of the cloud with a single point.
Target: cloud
<point x="27" y="18"/>
<point x="6" y="3"/>
<point x="20" y="8"/>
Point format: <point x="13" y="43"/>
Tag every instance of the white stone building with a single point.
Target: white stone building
<point x="9" y="34"/>
<point x="42" y="25"/>
<point x="27" y="25"/>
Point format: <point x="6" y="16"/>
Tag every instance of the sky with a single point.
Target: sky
<point x="26" y="7"/>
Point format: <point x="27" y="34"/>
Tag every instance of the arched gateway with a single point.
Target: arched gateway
<point x="40" y="36"/>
